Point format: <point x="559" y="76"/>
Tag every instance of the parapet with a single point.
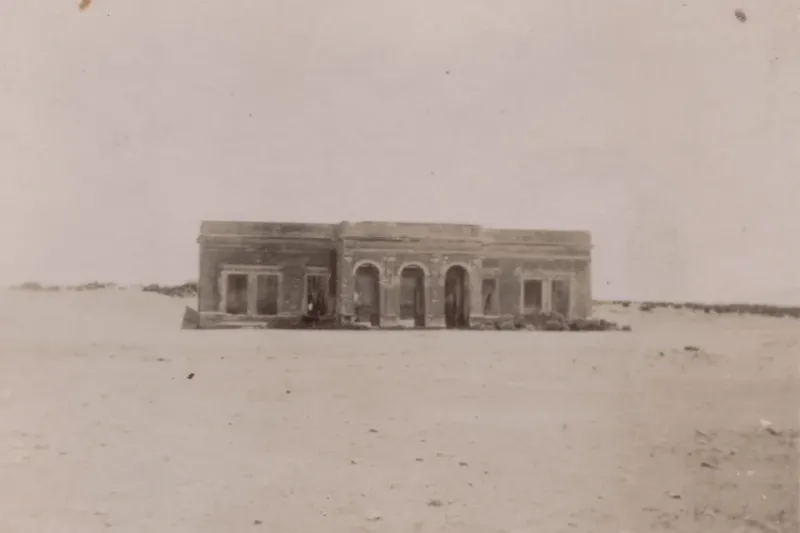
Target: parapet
<point x="286" y="230"/>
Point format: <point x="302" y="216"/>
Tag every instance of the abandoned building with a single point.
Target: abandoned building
<point x="388" y="274"/>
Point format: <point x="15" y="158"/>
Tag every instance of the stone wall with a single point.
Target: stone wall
<point x="291" y="258"/>
<point x="506" y="255"/>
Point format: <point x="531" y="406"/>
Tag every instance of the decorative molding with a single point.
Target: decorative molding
<point x="419" y="264"/>
<point x="246" y="269"/>
<point x="370" y="262"/>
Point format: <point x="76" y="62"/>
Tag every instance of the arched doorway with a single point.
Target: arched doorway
<point x="412" y="295"/>
<point x="367" y="294"/>
<point x="456" y="297"/>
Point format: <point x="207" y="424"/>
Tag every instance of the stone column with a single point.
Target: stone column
<point x="222" y="283"/>
<point x="252" y="293"/>
<point x="346" y="285"/>
<point x="475" y="292"/>
<point x="547" y="294"/>
<point x="390" y="300"/>
<point x="434" y="306"/>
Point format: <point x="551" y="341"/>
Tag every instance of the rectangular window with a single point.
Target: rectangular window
<point x="491" y="303"/>
<point x="236" y="294"/>
<point x="561" y="296"/>
<point x="267" y="294"/>
<point x="317" y="294"/>
<point x="533" y="294"/>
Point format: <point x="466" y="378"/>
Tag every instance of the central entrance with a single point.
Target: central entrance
<point x="456" y="297"/>
<point x="412" y="295"/>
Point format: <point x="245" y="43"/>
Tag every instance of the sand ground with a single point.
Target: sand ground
<point x="489" y="432"/>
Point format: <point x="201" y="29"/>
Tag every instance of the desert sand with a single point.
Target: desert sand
<point x="344" y="431"/>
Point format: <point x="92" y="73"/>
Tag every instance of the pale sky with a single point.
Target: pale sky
<point x="668" y="128"/>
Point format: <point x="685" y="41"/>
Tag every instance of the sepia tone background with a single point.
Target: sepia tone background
<point x="666" y="128"/>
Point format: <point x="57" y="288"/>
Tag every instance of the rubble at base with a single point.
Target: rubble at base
<point x="552" y="322"/>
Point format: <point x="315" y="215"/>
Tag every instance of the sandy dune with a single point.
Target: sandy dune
<point x="288" y="431"/>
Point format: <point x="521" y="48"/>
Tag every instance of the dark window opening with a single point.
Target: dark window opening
<point x="533" y="293"/>
<point x="561" y="296"/>
<point x="267" y="294"/>
<point x="490" y="301"/>
<point x="236" y="294"/>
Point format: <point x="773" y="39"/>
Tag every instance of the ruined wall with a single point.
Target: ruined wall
<point x="391" y="256"/>
<point x="509" y="256"/>
<point x="291" y="257"/>
<point x="511" y="272"/>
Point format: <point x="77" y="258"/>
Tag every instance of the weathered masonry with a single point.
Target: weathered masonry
<point x="389" y="274"/>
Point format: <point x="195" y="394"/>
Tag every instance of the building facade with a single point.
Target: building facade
<point x="389" y="274"/>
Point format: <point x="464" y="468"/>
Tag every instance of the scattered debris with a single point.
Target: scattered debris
<point x="191" y="319"/>
<point x="708" y="464"/>
<point x="435" y="503"/>
<point x="551" y="322"/>
<point x="162" y="359"/>
<point x="701" y="437"/>
<point x="374" y="517"/>
<point x="691" y="349"/>
<point x="373" y="430"/>
<point x="740" y="15"/>
<point x="463" y="463"/>
<point x="190" y="376"/>
<point x="257" y="522"/>
<point x="674" y="495"/>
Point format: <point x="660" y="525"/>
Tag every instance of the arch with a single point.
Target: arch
<point x="367" y="292"/>
<point x="419" y="264"/>
<point x="413" y="293"/>
<point x="457" y="296"/>
<point x="368" y="263"/>
<point x="461" y="264"/>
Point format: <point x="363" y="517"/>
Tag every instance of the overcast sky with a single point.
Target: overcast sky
<point x="669" y="129"/>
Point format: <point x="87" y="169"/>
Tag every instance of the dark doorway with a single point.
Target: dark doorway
<point x="236" y="294"/>
<point x="533" y="296"/>
<point x="317" y="288"/>
<point x="456" y="297"/>
<point x="367" y="294"/>
<point x="412" y="295"/>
